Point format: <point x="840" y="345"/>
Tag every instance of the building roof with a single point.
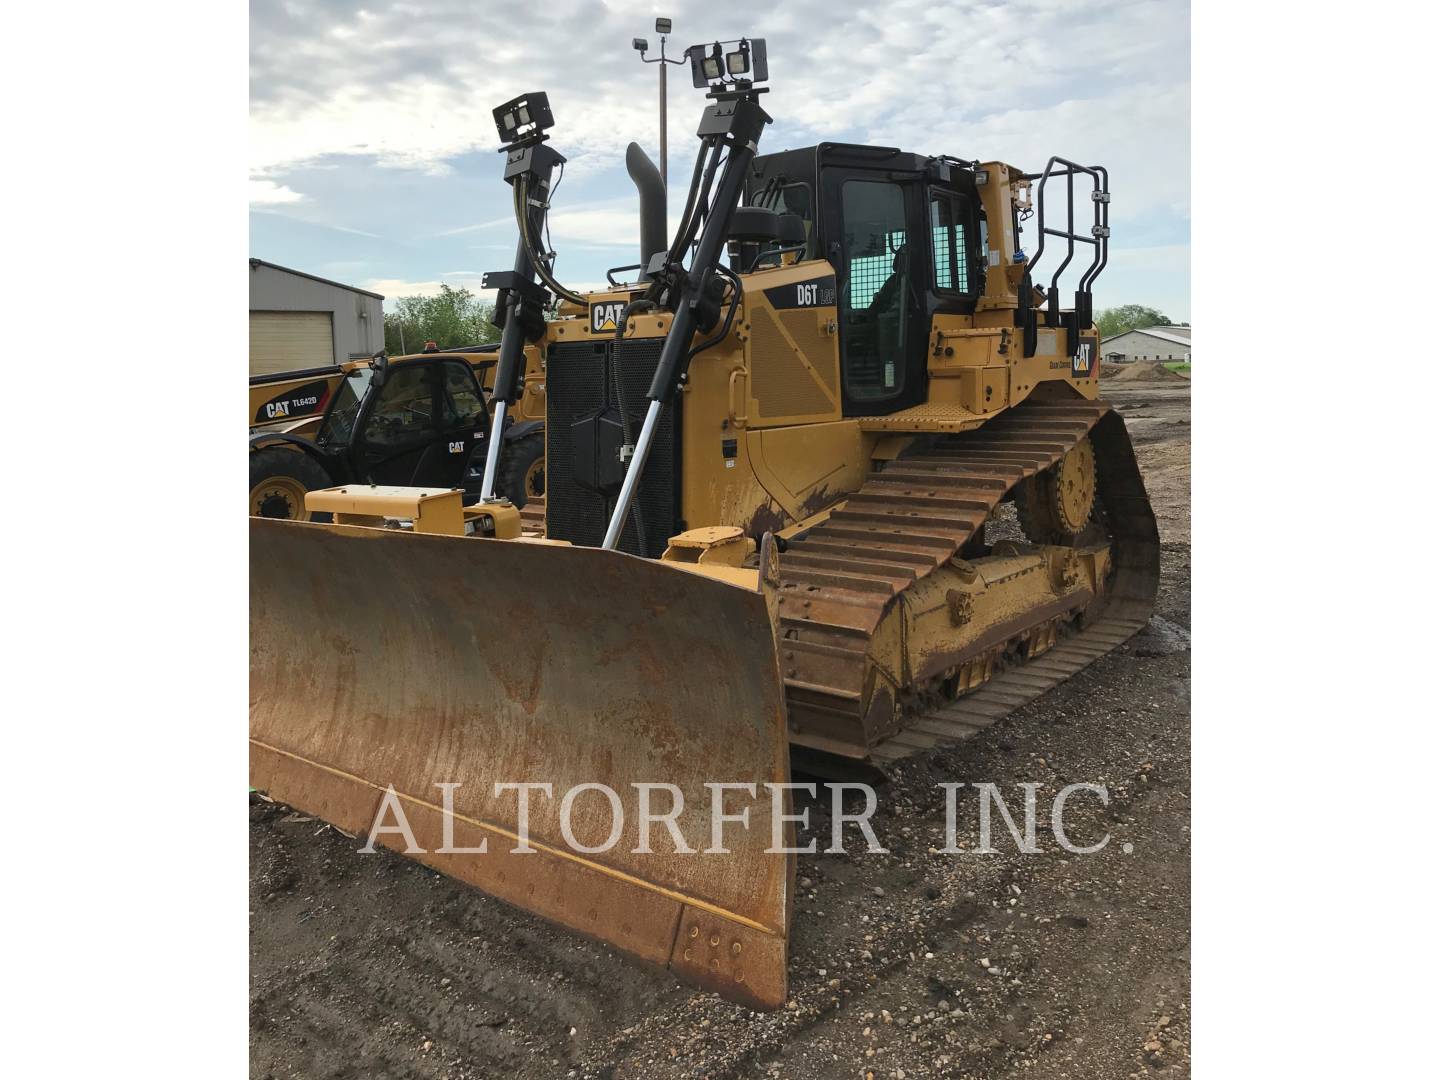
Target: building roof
<point x="313" y="277"/>
<point x="1176" y="335"/>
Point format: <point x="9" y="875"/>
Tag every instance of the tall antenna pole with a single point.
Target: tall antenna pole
<point x="662" y="27"/>
<point x="664" y="155"/>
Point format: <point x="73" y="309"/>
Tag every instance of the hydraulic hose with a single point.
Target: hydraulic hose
<point x="542" y="267"/>
<point x="740" y="127"/>
<point x="688" y="222"/>
<point x="690" y="198"/>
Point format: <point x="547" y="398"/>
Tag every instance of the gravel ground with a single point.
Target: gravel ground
<point x="911" y="964"/>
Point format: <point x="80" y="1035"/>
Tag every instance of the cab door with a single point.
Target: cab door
<point x="879" y="252"/>
<point x="466" y="425"/>
<point x="422" y="426"/>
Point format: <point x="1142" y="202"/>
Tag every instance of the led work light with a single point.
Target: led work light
<point x="728" y="62"/>
<point x="524" y="116"/>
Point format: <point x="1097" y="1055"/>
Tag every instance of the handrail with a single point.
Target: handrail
<point x="610" y="274"/>
<point x="1098" y="238"/>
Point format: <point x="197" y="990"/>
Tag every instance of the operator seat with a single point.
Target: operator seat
<point x="892" y="291"/>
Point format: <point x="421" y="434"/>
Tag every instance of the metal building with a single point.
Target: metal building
<point x="1163" y="343"/>
<point x="298" y="320"/>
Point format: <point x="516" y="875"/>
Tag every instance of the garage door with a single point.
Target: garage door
<point x="285" y="340"/>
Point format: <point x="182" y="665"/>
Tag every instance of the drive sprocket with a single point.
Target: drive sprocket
<point x="1055" y="505"/>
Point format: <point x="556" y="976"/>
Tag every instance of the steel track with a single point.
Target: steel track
<point x="911" y="517"/>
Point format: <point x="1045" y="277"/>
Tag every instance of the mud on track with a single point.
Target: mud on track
<point x="374" y="966"/>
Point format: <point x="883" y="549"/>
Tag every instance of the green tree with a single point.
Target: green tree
<point x="1117" y="320"/>
<point x="452" y="318"/>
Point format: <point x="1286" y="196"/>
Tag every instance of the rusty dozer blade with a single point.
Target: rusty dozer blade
<point x="383" y="659"/>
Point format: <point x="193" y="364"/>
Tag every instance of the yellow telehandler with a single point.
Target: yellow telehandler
<point x="780" y="469"/>
<point x="312" y="428"/>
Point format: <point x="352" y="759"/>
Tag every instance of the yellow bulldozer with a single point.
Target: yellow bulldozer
<point x="373" y="420"/>
<point x="830" y="484"/>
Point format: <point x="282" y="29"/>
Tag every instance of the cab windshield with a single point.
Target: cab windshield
<point x="340" y="421"/>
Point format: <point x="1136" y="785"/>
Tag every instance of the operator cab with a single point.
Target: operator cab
<point x="906" y="236"/>
<point x="410" y="422"/>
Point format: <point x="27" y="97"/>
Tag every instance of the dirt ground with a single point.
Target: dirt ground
<point x="1141" y="371"/>
<point x="911" y="964"/>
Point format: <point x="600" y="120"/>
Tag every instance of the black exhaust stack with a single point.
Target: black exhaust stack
<point x="729" y="130"/>
<point x="652" y="205"/>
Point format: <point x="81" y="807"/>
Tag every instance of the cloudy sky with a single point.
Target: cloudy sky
<point x="372" y="149"/>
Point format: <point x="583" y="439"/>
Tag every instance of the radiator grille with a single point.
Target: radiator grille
<point x="582" y="379"/>
<point x="574" y="389"/>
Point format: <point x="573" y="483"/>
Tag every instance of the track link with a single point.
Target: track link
<point x="915" y="514"/>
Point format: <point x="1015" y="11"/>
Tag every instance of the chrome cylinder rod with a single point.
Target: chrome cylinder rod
<point x="633" y="471"/>
<point x="492" y="450"/>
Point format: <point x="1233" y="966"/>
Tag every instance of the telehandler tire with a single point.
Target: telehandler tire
<point x="522" y="469"/>
<point x="279" y="479"/>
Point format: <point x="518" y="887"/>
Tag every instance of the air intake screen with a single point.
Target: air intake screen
<point x="583" y="379"/>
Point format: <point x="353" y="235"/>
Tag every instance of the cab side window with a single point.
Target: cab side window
<point x="404" y="412"/>
<point x="949" y="216"/>
<point x="462" y="400"/>
<point x="340" y="420"/>
<point x="791" y="197"/>
<point x="795" y="199"/>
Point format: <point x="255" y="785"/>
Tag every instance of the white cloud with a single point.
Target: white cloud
<point x="1168" y="258"/>
<point x="1016" y="81"/>
<point x="394" y="288"/>
<point x="1157" y="276"/>
<point x="906" y="68"/>
<point x="269" y="193"/>
<point x="611" y="228"/>
<point x="479" y="226"/>
<point x="317" y="224"/>
<point x="1138" y="132"/>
